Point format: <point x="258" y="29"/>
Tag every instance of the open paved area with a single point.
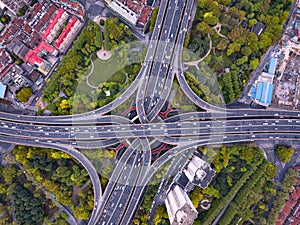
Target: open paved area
<point x="104" y="55"/>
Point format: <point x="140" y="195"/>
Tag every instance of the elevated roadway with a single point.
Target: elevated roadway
<point x="180" y="128"/>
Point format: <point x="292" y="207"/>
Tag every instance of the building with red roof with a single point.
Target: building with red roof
<point x="67" y="32"/>
<point x="145" y="15"/>
<point x="55" y="23"/>
<point x="290" y="214"/>
<point x="33" y="57"/>
<point x="14" y="5"/>
<point x="35" y="32"/>
<point x="18" y="21"/>
<point x="52" y="9"/>
<point x="43" y="46"/>
<point x="27" y="28"/>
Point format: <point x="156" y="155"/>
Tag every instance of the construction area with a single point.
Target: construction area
<point x="286" y="91"/>
<point x="287" y="85"/>
<point x="278" y="85"/>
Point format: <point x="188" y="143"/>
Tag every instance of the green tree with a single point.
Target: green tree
<point x="254" y="63"/>
<point x="284" y="153"/>
<point x="81" y="212"/>
<point x="203" y="27"/>
<point x="28" y="209"/>
<point x="24" y="94"/>
<point x="246" y="51"/>
<point x="211" y="191"/>
<point x="9" y="173"/>
<point x="153" y="19"/>
<point x="223" y="44"/>
<point x="5" y="19"/>
<point x="101" y="22"/>
<point x="210" y="18"/>
<point x="187" y="40"/>
<point x="252" y="22"/>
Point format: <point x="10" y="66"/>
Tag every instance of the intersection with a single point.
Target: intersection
<point x="134" y="170"/>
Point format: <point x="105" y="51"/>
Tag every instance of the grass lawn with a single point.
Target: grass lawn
<point x="180" y="100"/>
<point x="107" y="71"/>
<point x="119" y="77"/>
<point x="83" y="87"/>
<point x="227" y="60"/>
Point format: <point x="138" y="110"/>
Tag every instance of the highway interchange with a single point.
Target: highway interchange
<point x="135" y="168"/>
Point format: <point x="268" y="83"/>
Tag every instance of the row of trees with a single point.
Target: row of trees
<point x="22" y="11"/>
<point x="248" y="195"/>
<point x="203" y="89"/>
<point x="219" y="204"/>
<point x="152" y="20"/>
<point x="245" y="177"/>
<point x="230" y="86"/>
<point x="234" y="166"/>
<point x="5" y="19"/>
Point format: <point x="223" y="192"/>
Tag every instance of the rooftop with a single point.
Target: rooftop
<point x="53" y="22"/>
<point x="73" y="7"/>
<point x="5" y="59"/>
<point x="1" y="26"/>
<point x="32" y="55"/>
<point x="199" y="172"/>
<point x="65" y="32"/>
<point x="15" y="78"/>
<point x="272" y="66"/>
<point x="263" y="92"/>
<point x="133" y="11"/>
<point x="2" y="90"/>
<point x="144" y="16"/>
<point x="17" y="47"/>
<point x="258" y="28"/>
<point x="14" y="5"/>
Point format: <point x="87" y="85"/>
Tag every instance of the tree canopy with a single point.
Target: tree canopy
<point x="284" y="153"/>
<point x="24" y="94"/>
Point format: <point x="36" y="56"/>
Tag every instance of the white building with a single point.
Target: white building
<point x="199" y="172"/>
<point x="127" y="14"/>
<point x="180" y="208"/>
